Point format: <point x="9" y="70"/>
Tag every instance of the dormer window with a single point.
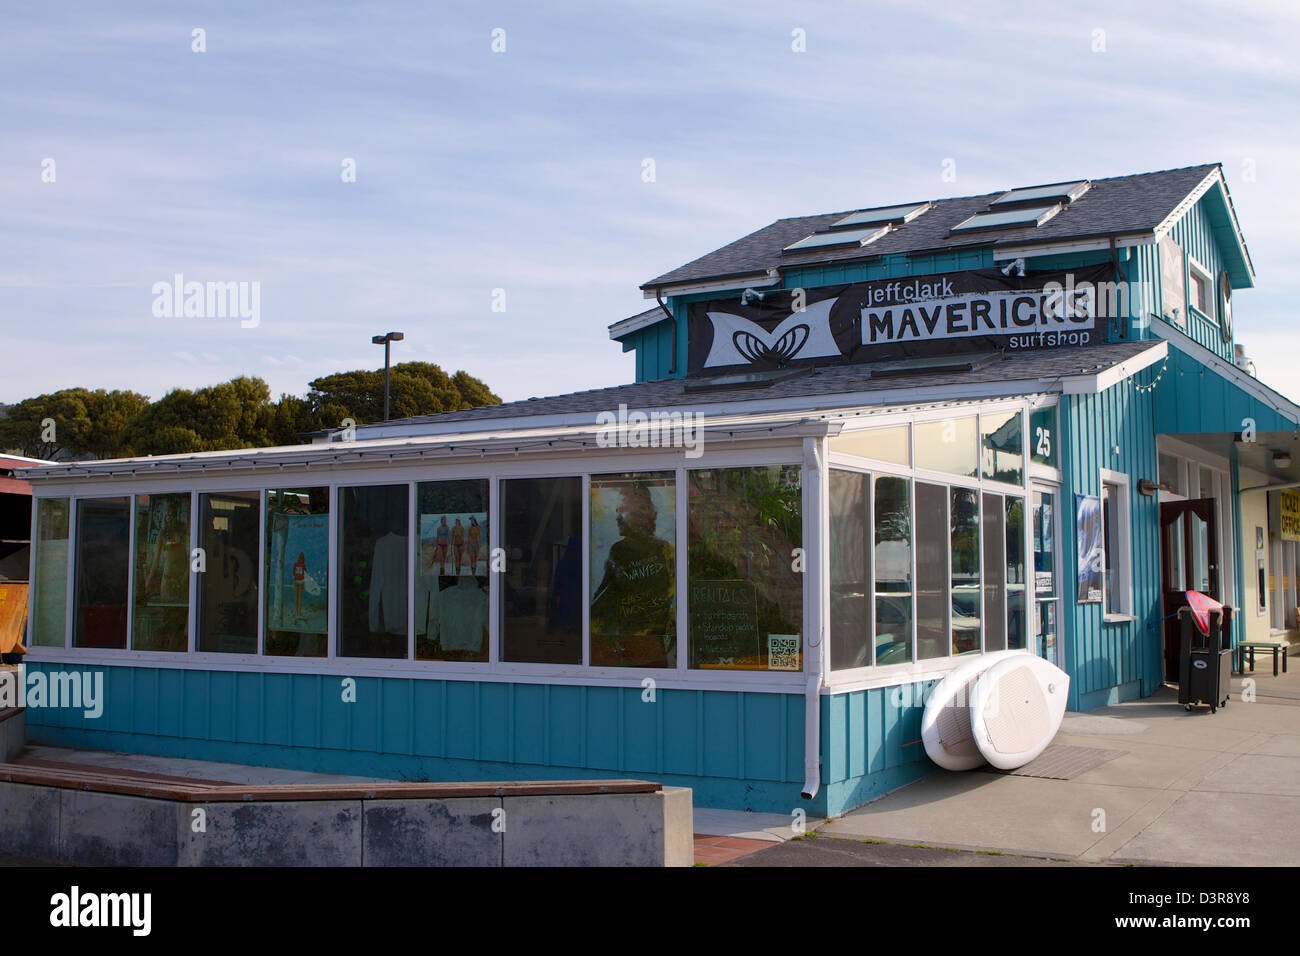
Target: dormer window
<point x="1201" y="288"/>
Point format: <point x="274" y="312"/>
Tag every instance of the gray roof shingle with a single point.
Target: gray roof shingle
<point x="1044" y="364"/>
<point x="1122" y="204"/>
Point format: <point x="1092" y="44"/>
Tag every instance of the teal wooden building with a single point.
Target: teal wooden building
<point x="860" y="446"/>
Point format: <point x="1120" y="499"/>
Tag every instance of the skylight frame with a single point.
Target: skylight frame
<point x="1031" y="217"/>
<point x="1064" y="193"/>
<point x="842" y="239"/>
<point x="881" y="215"/>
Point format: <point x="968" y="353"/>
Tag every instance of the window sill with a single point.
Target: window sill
<point x="1117" y="618"/>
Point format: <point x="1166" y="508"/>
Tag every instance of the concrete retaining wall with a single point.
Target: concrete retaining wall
<point x="94" y="829"/>
<point x="13" y="733"/>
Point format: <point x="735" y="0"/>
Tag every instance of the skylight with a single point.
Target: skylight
<point x="842" y="237"/>
<point x="891" y="214"/>
<point x="1062" y="192"/>
<point x="1008" y="219"/>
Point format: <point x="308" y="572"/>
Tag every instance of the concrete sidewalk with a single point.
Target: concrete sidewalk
<point x="1186" y="788"/>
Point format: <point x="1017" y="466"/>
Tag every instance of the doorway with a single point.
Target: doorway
<point x="1046" y="606"/>
<point x="1188" y="562"/>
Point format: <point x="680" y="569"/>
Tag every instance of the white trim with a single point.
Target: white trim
<point x="1008" y="251"/>
<point x="762" y="277"/>
<point x="1123" y="546"/>
<point x="1202" y="273"/>
<point x="1188" y="201"/>
<point x="635" y="323"/>
<point x="1094" y="384"/>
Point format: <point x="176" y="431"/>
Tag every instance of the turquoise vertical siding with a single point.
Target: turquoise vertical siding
<point x="736" y="750"/>
<point x="1194" y="400"/>
<point x="654" y="351"/>
<point x="1120" y="660"/>
<point x="871" y="743"/>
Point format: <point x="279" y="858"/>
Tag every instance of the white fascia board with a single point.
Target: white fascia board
<point x="766" y="278"/>
<point x="808" y="404"/>
<point x="1246" y="382"/>
<point x="1093" y="384"/>
<point x="636" y="323"/>
<point x="1001" y="253"/>
<point x="1190" y="200"/>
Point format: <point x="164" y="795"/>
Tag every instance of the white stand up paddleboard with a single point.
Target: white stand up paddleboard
<point x="1016" y="708"/>
<point x="946" y="724"/>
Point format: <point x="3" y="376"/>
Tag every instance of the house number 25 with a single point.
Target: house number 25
<point x="1043" y="442"/>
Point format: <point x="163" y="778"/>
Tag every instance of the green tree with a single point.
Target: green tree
<point x="84" y="422"/>
<point x="415" y="388"/>
<point x="234" y="414"/>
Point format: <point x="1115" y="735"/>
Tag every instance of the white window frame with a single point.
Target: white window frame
<point x="1197" y="271"/>
<point x="1122" y="548"/>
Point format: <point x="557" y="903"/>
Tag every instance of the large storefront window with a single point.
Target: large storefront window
<point x="373" y="554"/>
<point x="103" y="560"/>
<point x="850" y="570"/>
<point x="451" y="583"/>
<point x="50" y="586"/>
<point x="542" y="586"/>
<point x="948" y="445"/>
<point x="1017" y="633"/>
<point x="229" y="532"/>
<point x="995" y="588"/>
<point x="160" y="618"/>
<point x="893" y="570"/>
<point x="890" y="443"/>
<point x="1001" y="449"/>
<point x="633" y="570"/>
<point x="964" y="512"/>
<point x="933" y="542"/>
<point x="297" y="572"/>
<point x="746" y="581"/>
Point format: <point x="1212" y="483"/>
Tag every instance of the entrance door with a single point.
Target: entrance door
<point x="1046" y="607"/>
<point x="1188" y="562"/>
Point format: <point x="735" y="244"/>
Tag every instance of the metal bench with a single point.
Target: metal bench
<point x="1251" y="647"/>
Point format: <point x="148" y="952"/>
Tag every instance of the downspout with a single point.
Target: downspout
<point x="672" y="369"/>
<point x="814" y="614"/>
<point x="1119" y="277"/>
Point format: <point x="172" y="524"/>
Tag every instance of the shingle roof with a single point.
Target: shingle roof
<point x="1122" y="204"/>
<point x="1045" y="365"/>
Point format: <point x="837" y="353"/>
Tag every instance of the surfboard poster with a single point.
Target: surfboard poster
<point x="1090" y="545"/>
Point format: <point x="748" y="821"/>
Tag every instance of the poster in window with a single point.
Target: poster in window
<point x="1090" y="547"/>
<point x="297" y="570"/>
<point x="454" y="544"/>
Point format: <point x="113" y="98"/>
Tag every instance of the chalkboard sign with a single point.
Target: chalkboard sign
<point x="724" y="625"/>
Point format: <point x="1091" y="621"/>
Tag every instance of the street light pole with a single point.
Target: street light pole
<point x="386" y="341"/>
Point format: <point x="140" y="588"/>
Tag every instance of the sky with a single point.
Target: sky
<point x="501" y="213"/>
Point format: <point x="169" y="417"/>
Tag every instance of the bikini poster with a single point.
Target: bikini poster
<point x="297" y="573"/>
<point x="454" y="544"/>
<point x="1089" y="543"/>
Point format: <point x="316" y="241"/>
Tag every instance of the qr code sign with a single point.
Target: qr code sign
<point x="783" y="652"/>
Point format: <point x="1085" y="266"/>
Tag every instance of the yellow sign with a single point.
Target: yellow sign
<point x="1290" y="515"/>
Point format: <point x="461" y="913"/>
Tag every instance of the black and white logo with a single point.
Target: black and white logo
<point x="806" y="334"/>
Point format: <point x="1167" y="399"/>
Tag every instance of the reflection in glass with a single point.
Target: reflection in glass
<point x="297" y="572"/>
<point x="451" y="581"/>
<point x="1017" y="633"/>
<point x="103" y="559"/>
<point x="50" y="586"/>
<point x="229" y="535"/>
<point x="932" y="549"/>
<point x="1042" y="435"/>
<point x="373" y="554"/>
<point x="1001" y="451"/>
<point x="542" y="593"/>
<point x="633" y="570"/>
<point x="948" y="445"/>
<point x="160" y="618"/>
<point x="1044" y="546"/>
<point x="883" y="444"/>
<point x="892" y="558"/>
<point x="995" y="590"/>
<point x="850" y="494"/>
<point x="746" y="596"/>
<point x="1175" y="555"/>
<point x="964" y="520"/>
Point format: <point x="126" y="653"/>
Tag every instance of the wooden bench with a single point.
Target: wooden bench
<point x="1251" y="647"/>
